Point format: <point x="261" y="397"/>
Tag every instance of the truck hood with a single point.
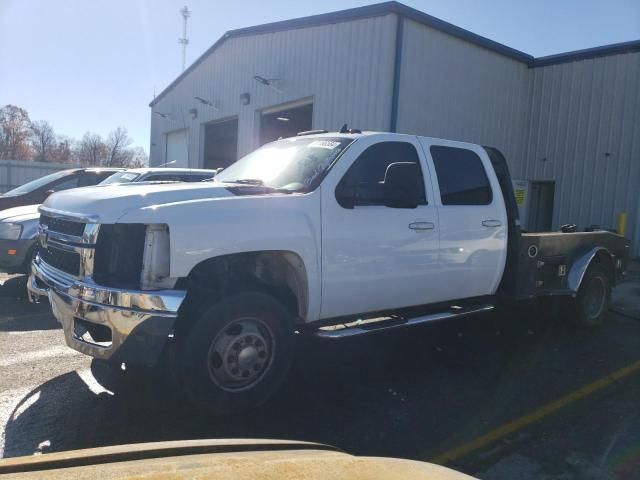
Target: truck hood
<point x="108" y="203"/>
<point x="17" y="214"/>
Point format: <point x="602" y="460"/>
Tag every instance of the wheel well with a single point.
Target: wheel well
<point x="278" y="273"/>
<point x="603" y="259"/>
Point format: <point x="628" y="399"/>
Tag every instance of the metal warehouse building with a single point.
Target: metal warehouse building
<point x="568" y="122"/>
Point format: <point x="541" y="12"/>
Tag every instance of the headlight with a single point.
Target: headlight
<point x="10" y="231"/>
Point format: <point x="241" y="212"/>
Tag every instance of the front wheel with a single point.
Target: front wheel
<point x="237" y="352"/>
<point x="589" y="307"/>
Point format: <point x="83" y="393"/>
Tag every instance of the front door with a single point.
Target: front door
<point x="374" y="256"/>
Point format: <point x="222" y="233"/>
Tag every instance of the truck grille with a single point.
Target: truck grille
<point x="118" y="255"/>
<point x="68" y="262"/>
<point x="60" y="225"/>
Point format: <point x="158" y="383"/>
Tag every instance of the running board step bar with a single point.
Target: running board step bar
<point x="362" y="327"/>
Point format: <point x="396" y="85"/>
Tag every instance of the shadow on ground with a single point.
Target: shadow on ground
<point x="14" y="287"/>
<point x="404" y="394"/>
<point x="17" y="314"/>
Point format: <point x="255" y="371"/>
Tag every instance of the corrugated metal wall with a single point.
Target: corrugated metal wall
<point x="14" y="173"/>
<point x="456" y="90"/>
<point x="346" y="68"/>
<point x="577" y="123"/>
<point x="584" y="133"/>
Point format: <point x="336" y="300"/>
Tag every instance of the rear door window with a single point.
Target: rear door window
<point x="162" y="178"/>
<point x="70" y="181"/>
<point x="461" y="176"/>
<point x="196" y="177"/>
<point x="93" y="178"/>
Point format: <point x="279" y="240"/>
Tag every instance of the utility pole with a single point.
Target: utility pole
<point x="184" y="41"/>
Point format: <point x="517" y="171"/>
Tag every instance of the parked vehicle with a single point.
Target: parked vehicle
<point x="19" y="226"/>
<point x="233" y="459"/>
<point x="18" y="237"/>
<point x="338" y="234"/>
<point x="36" y="191"/>
<point x="161" y="174"/>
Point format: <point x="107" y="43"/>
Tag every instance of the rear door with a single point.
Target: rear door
<point x="473" y="220"/>
<point x="376" y="257"/>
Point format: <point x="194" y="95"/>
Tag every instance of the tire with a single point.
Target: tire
<point x="237" y="352"/>
<point x="589" y="307"/>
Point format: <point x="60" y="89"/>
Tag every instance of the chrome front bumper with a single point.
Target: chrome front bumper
<point x="139" y="322"/>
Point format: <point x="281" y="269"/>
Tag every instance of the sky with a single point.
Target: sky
<point x="93" y="65"/>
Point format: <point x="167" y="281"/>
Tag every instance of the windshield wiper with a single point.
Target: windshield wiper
<point x="254" y="182"/>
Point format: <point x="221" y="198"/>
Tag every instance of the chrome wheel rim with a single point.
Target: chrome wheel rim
<point x="595" y="297"/>
<point x="241" y="354"/>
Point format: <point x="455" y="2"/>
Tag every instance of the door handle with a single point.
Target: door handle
<point x="491" y="223"/>
<point x="422" y="226"/>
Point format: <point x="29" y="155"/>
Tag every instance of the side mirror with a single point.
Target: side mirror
<point x="403" y="185"/>
<point x="49" y="192"/>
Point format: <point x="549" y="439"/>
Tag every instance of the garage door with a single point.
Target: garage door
<point x="285" y="122"/>
<point x="221" y="143"/>
<point x="177" y="155"/>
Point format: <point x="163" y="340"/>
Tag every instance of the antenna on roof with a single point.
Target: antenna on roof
<point x="345" y="129"/>
<point x="184" y="41"/>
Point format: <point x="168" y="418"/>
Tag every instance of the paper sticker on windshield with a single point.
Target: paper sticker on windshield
<point x="328" y="144"/>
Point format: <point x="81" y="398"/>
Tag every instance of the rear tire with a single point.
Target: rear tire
<point x="237" y="352"/>
<point x="589" y="307"/>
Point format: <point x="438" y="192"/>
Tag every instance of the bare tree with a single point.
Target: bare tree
<point x="43" y="141"/>
<point x="14" y="133"/>
<point x="21" y="139"/>
<point x="91" y="150"/>
<point x="118" y="152"/>
<point x="62" y="152"/>
<point x="139" y="158"/>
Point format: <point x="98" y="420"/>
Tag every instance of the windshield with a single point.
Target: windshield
<point x="120" y="177"/>
<point x="35" y="184"/>
<point x="290" y="164"/>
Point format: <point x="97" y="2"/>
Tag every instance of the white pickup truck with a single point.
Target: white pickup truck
<point x="339" y="233"/>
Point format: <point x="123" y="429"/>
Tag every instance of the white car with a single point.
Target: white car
<point x="341" y="234"/>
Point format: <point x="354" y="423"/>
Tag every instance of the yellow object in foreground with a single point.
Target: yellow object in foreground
<point x="212" y="459"/>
